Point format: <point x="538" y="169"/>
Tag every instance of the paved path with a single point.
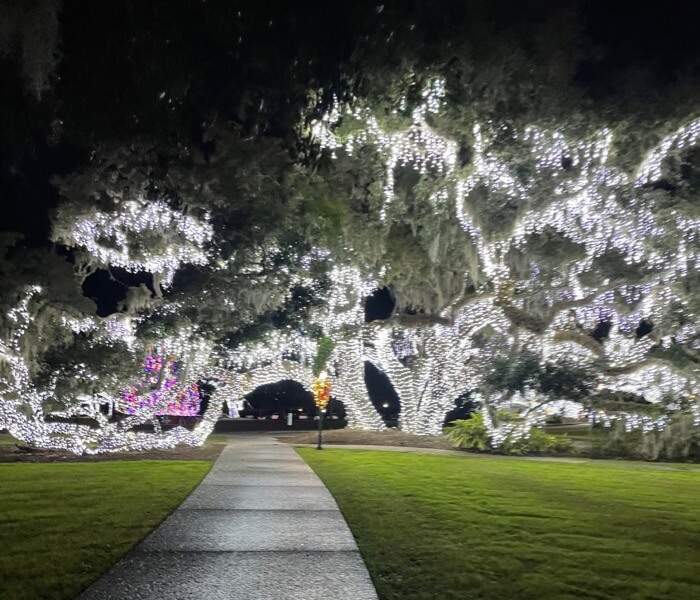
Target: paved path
<point x="261" y="526"/>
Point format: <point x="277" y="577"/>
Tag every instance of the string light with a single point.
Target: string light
<point x="140" y="235"/>
<point x="575" y="190"/>
<point x="624" y="272"/>
<point x="22" y="405"/>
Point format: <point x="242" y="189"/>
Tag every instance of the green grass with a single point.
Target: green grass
<point x="63" y="525"/>
<point x="6" y="438"/>
<point x="217" y="438"/>
<point x="488" y="528"/>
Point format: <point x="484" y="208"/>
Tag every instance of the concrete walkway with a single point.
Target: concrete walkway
<point x="261" y="526"/>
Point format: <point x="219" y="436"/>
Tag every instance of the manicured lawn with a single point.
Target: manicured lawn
<point x="217" y="438"/>
<point x="446" y="527"/>
<point x="62" y="525"/>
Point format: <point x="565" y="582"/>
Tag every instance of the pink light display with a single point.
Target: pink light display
<point x="160" y="389"/>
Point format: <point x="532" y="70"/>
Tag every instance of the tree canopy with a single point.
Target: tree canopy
<point x="229" y="182"/>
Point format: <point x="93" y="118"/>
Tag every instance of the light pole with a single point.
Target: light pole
<point x="319" y="446"/>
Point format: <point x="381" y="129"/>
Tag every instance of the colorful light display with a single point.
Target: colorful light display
<point x="321" y="388"/>
<point x="160" y="390"/>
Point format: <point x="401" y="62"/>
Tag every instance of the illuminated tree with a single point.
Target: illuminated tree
<point x="121" y="214"/>
<point x="469" y="158"/>
<point x="430" y="365"/>
<point x="560" y="239"/>
<point x="22" y="408"/>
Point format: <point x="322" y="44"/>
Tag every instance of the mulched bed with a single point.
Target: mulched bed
<point x="20" y="453"/>
<point x="388" y="437"/>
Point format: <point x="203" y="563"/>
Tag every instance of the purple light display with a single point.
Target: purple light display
<point x="160" y="388"/>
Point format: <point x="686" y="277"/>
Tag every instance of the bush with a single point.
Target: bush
<point x="679" y="441"/>
<point x="470" y="434"/>
<point x="538" y="442"/>
<point x="615" y="442"/>
<point x="541" y="442"/>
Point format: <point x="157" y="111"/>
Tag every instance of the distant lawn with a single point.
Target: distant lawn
<point x="441" y="527"/>
<point x="217" y="438"/>
<point x="6" y="438"/>
<point x="63" y="525"/>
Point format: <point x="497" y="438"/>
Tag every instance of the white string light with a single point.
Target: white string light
<point x="575" y="190"/>
<point x="140" y="236"/>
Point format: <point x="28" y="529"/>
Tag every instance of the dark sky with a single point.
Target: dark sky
<point x="117" y="57"/>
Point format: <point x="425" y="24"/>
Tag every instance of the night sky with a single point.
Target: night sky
<point x="116" y="57"/>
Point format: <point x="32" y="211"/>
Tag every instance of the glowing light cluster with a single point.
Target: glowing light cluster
<point x="343" y="320"/>
<point x="160" y="390"/>
<point x="321" y="389"/>
<point x="238" y="384"/>
<point x="22" y="406"/>
<point x="141" y="236"/>
<point x="576" y="191"/>
<point x="429" y="366"/>
<point x="653" y="381"/>
<point x="685" y="137"/>
<point x="419" y="146"/>
<point x="113" y="328"/>
<point x="273" y="347"/>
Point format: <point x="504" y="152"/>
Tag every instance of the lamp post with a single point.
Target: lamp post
<point x="319" y="446"/>
<point x="322" y="394"/>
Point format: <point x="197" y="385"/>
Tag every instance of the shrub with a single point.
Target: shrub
<point x="538" y="442"/>
<point x="470" y="434"/>
<point x="615" y="442"/>
<point x="679" y="440"/>
<point x="541" y="442"/>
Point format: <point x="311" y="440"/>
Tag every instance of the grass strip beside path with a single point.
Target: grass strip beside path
<point x="63" y="525"/>
<point x="459" y="527"/>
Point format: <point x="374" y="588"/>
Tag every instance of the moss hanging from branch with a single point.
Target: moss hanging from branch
<point x="325" y="349"/>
